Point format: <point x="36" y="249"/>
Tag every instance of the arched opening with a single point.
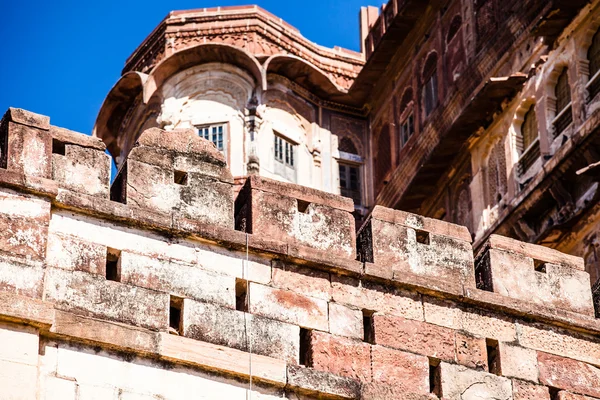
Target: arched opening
<point x="454" y="27"/>
<point x="564" y="114"/>
<point x="407" y="121"/>
<point x="593" y="56"/>
<point x="430" y="82"/>
<point x="528" y="144"/>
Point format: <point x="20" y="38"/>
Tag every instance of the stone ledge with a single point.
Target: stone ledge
<point x="24" y="117"/>
<point x="71" y="137"/>
<point x="30" y="184"/>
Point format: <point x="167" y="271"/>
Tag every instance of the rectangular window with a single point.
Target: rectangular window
<point x="350" y="181"/>
<point x="284" y="151"/>
<point x="407" y="129"/>
<point x="214" y="134"/>
<point x="430" y="94"/>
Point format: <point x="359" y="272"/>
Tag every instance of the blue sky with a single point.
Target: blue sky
<point x="60" y="58"/>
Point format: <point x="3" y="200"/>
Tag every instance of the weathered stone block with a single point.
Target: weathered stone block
<point x="471" y="351"/>
<point x="93" y="295"/>
<point x="375" y="297"/>
<point x="345" y="321"/>
<point x="534" y="274"/>
<point x="460" y="383"/>
<point x="305" y="280"/>
<point x="518" y="362"/>
<point x="568" y="374"/>
<point x="19" y="344"/>
<point x="562" y="395"/>
<point x="231" y="328"/>
<point x="340" y="356"/>
<point x="414" y="336"/>
<point x="401" y="242"/>
<point x="529" y="391"/>
<point x="79" y="163"/>
<point x="21" y="279"/>
<point x="297" y="215"/>
<point x="179" y="171"/>
<point x="311" y="380"/>
<point x="287" y="306"/>
<point x="405" y="371"/>
<point x="25" y="143"/>
<point x="177" y="278"/>
<point x="24" y="223"/>
<point x="75" y="254"/>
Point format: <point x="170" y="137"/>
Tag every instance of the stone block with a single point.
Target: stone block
<point x="257" y="269"/>
<point x="75" y="254"/>
<point x="177" y="171"/>
<point x="345" y="321"/>
<point x="460" y="383"/>
<point x="311" y="380"/>
<point x="89" y="392"/>
<point x="406" y="243"/>
<point x="518" y="362"/>
<point x="92" y="295"/>
<point x="297" y="215"/>
<point x="534" y="274"/>
<point x="340" y="356"/>
<point x="24" y="223"/>
<point x="54" y="388"/>
<point x="287" y="306"/>
<point x="19" y="344"/>
<point x="560" y="342"/>
<point x="231" y="328"/>
<point x="529" y="391"/>
<point x="564" y="373"/>
<point x="414" y="336"/>
<point x="562" y="395"/>
<point x="471" y="351"/>
<point x="181" y="279"/>
<point x="79" y="167"/>
<point x="405" y="371"/>
<point x="25" y="143"/>
<point x="21" y="279"/>
<point x="382" y="391"/>
<point x="18" y="381"/>
<point x="305" y="280"/>
<point x="371" y="296"/>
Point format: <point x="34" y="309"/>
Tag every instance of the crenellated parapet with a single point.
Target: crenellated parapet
<point x="178" y="284"/>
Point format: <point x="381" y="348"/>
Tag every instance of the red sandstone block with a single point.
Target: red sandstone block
<point x="529" y="391"/>
<point x="27" y="149"/>
<point x="414" y="336"/>
<point x="75" y="254"/>
<point x="297" y="215"/>
<point x="568" y="374"/>
<point x="304" y="280"/>
<point x="471" y="351"/>
<point x="562" y="395"/>
<point x="340" y="356"/>
<point x="24" y="117"/>
<point x="405" y="371"/>
<point x="288" y="306"/>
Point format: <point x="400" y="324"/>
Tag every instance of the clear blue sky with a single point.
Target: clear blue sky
<point x="60" y="58"/>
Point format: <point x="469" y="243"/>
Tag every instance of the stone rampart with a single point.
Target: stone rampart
<point x="178" y="287"/>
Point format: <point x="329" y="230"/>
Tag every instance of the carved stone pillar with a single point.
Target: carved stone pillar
<point x="252" y="122"/>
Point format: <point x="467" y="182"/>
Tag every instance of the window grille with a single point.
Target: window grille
<point x="214" y="134"/>
<point x="564" y="115"/>
<point x="594" y="59"/>
<point x="284" y="151"/>
<point x="350" y="181"/>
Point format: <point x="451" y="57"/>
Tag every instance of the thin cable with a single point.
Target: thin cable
<point x="245" y="276"/>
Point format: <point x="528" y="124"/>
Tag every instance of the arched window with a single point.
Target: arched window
<point x="454" y="27"/>
<point x="529" y="146"/>
<point x="350" y="170"/>
<point x="594" y="59"/>
<point x="430" y="89"/>
<point x="562" y="91"/>
<point x="407" y="120"/>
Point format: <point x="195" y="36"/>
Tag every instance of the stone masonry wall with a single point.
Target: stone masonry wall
<point x="155" y="295"/>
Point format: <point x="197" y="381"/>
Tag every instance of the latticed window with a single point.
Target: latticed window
<point x="594" y="59"/>
<point x="430" y="95"/>
<point x="347" y="146"/>
<point x="564" y="115"/>
<point x="407" y="123"/>
<point x="284" y="151"/>
<point x="407" y="128"/>
<point x="530" y="146"/>
<point x="213" y="133"/>
<point x="350" y="181"/>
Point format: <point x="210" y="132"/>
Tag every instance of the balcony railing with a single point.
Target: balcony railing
<point x="528" y="158"/>
<point x="593" y="86"/>
<point x="563" y="120"/>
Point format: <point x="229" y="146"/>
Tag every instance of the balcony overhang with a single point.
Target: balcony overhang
<point x="558" y="18"/>
<point x="477" y="113"/>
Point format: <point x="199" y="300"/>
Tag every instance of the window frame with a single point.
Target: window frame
<point x="284" y="151"/>
<point x="347" y="190"/>
<point x="566" y="113"/>
<point x="593" y="84"/>
<point x="224" y="134"/>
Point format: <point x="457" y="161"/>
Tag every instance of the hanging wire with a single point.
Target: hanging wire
<point x="245" y="276"/>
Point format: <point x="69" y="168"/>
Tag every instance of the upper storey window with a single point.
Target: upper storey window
<point x="407" y="121"/>
<point x="530" y="147"/>
<point x="562" y="91"/>
<point x="594" y="59"/>
<point x="214" y="134"/>
<point x="430" y="87"/>
<point x="284" y="151"/>
<point x="350" y="170"/>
